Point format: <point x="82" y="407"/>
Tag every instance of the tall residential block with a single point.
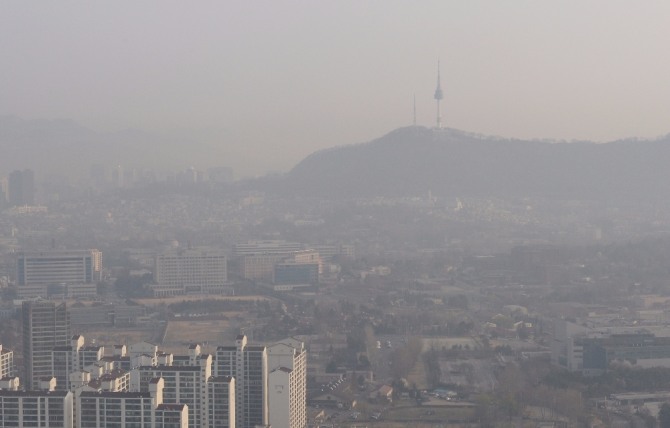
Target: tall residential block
<point x="46" y="325"/>
<point x="287" y="384"/>
<point x="77" y="356"/>
<point x="21" y="188"/>
<point x="221" y="402"/>
<point x="182" y="385"/>
<point x="248" y="364"/>
<point x="46" y="409"/>
<point x="130" y="409"/>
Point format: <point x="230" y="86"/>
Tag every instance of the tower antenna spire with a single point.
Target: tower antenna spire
<point x="414" y="110"/>
<point x="438" y="97"/>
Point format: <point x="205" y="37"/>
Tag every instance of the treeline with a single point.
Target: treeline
<point x="219" y="305"/>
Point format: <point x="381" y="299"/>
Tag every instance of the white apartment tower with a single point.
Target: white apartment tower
<point x="221" y="402"/>
<point x="248" y="365"/>
<point x="287" y="388"/>
<point x="46" y="409"/>
<point x="75" y="357"/>
<point x="182" y="385"/>
<point x="130" y="409"/>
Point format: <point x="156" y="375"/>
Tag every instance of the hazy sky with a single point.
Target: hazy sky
<point x="273" y="81"/>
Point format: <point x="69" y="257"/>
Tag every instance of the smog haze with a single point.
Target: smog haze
<point x="269" y="82"/>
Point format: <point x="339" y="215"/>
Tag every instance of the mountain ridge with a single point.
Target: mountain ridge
<point x="62" y="147"/>
<point x="413" y="160"/>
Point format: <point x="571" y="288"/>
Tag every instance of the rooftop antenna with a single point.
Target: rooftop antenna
<point x="438" y="97"/>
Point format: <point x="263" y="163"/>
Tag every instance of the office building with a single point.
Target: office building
<point x="259" y="267"/>
<point x="296" y="273"/>
<point x="192" y="271"/>
<point x="40" y="273"/>
<point x="287" y="388"/>
<point x="270" y="247"/>
<point x="249" y="366"/>
<point x="46" y="325"/>
<point x="644" y="348"/>
<point x="329" y="252"/>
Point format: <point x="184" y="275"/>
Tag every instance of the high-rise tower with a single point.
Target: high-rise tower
<point x="248" y="364"/>
<point x="438" y="97"/>
<point x="287" y="391"/>
<point x="46" y="324"/>
<point x="21" y="188"/>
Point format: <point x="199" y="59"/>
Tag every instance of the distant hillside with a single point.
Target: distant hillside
<point x="66" y="148"/>
<point x="413" y="160"/>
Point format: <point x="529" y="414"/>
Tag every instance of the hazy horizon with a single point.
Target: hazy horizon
<point x="271" y="82"/>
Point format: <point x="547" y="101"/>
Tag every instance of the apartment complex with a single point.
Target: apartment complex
<point x="246" y="386"/>
<point x="74" y="357"/>
<point x="130" y="409"/>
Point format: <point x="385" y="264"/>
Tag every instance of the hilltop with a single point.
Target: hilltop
<point x="414" y="160"/>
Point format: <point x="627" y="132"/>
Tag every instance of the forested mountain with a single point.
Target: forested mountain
<point x="414" y="160"/>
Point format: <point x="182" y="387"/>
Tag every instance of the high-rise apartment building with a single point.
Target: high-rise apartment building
<point x="192" y="270"/>
<point x="182" y="385"/>
<point x="221" y="402"/>
<point x="21" y="188"/>
<point x="130" y="409"/>
<point x="248" y="364"/>
<point x="46" y="409"/>
<point x="37" y="270"/>
<point x="46" y="325"/>
<point x="3" y="191"/>
<point x="6" y="362"/>
<point x="74" y="357"/>
<point x="287" y="384"/>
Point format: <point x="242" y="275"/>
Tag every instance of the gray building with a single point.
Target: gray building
<point x="46" y="325"/>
